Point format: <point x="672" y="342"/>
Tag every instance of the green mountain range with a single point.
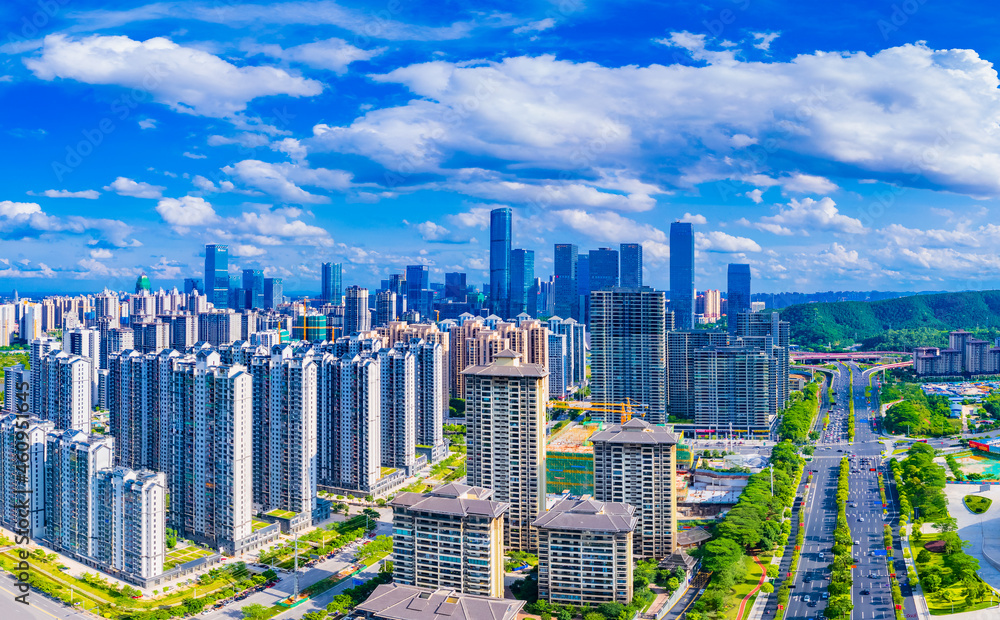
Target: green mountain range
<point x="894" y="324"/>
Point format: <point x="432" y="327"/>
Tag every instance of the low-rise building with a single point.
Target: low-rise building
<point x="395" y="601"/>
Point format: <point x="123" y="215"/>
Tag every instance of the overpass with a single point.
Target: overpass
<point x="853" y="356"/>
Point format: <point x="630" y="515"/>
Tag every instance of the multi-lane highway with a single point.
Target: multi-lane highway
<point x="871" y="594"/>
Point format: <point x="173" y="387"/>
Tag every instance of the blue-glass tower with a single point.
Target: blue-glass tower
<point x="737" y="294"/>
<point x="332" y="282"/>
<point x="630" y="255"/>
<point x="253" y="288"/>
<point x="567" y="294"/>
<point x="682" y="274"/>
<point x="522" y="279"/>
<point x="217" y="274"/>
<point x="500" y="241"/>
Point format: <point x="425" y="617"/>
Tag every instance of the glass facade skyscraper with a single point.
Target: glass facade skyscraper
<point x="500" y="281"/>
<point x="567" y="295"/>
<point x="738" y="293"/>
<point x="332" y="282"/>
<point x="418" y="293"/>
<point x="682" y="274"/>
<point x="522" y="280"/>
<point x="455" y="286"/>
<point x="603" y="268"/>
<point x="217" y="275"/>
<point x="630" y="255"/>
<point x="253" y="288"/>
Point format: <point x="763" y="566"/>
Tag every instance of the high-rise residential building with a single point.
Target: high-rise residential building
<point x="291" y="467"/>
<point x="17" y="381"/>
<point x="39" y="349"/>
<point x="385" y="308"/>
<point x="505" y="418"/>
<point x="357" y="317"/>
<point x="332" y="282"/>
<point x="628" y="329"/>
<point x="455" y="286"/>
<point x="130" y="520"/>
<point x="210" y="463"/>
<point x="732" y="388"/>
<point x="183" y="331"/>
<point x="603" y="269"/>
<point x="522" y="279"/>
<point x="398" y="408"/>
<point x="30" y="327"/>
<point x="767" y="331"/>
<point x="418" y="293"/>
<point x="86" y="343"/>
<point x="217" y="275"/>
<point x="220" y="327"/>
<point x="139" y="408"/>
<point x="558" y="362"/>
<point x="576" y="347"/>
<point x="585" y="552"/>
<point x="72" y="459"/>
<point x="737" y="293"/>
<point x="630" y="255"/>
<point x="709" y="305"/>
<point x="17" y="485"/>
<point x="451" y="537"/>
<point x="397" y="284"/>
<point x="273" y="294"/>
<point x="682" y="274"/>
<point x="681" y="347"/>
<point x="500" y="255"/>
<point x="636" y="463"/>
<point x="350" y="423"/>
<point x="567" y="296"/>
<point x="65" y="390"/>
<point x="8" y="324"/>
<point x="253" y="288"/>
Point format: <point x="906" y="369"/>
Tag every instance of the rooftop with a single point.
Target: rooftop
<point x="452" y="499"/>
<point x="635" y="430"/>
<point x="398" y="602"/>
<point x="507" y="364"/>
<point x="588" y="514"/>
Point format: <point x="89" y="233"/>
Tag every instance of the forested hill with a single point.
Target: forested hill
<point x="894" y="324"/>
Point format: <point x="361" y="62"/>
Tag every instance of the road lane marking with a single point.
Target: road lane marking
<point x="32" y="606"/>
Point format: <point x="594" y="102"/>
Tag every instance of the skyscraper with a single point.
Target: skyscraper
<point x="738" y="294"/>
<point x="332" y="282"/>
<point x="500" y="281"/>
<point x="629" y="349"/>
<point x="217" y="274"/>
<point x="732" y="386"/>
<point x="273" y="294"/>
<point x="253" y="288"/>
<point x="455" y="286"/>
<point x="603" y="269"/>
<point x="522" y="277"/>
<point x="357" y="317"/>
<point x="681" y="347"/>
<point x="682" y="274"/>
<point x="417" y="289"/>
<point x="567" y="297"/>
<point x="505" y="416"/>
<point x="631" y="265"/>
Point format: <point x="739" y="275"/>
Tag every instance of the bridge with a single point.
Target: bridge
<point x="814" y="356"/>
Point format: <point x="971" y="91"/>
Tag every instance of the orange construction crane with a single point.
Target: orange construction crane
<point x="624" y="410"/>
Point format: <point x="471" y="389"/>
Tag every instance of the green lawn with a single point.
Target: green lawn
<point x="742" y="589"/>
<point x="977" y="504"/>
<point x="257" y="525"/>
<point x="388" y="471"/>
<point x="281" y="514"/>
<point x="182" y="555"/>
<point x="938" y="602"/>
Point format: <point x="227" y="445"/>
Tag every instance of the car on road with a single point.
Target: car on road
<point x="864" y="593"/>
<point x="861" y="519"/>
<point x="812" y="603"/>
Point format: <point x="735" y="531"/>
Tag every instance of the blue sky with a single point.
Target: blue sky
<point x="850" y="145"/>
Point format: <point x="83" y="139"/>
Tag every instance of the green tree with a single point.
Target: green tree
<point x="931" y="582"/>
<point x="767" y="587"/>
<point x="924" y="556"/>
<point x="611" y="611"/>
<point x="720" y="554"/>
